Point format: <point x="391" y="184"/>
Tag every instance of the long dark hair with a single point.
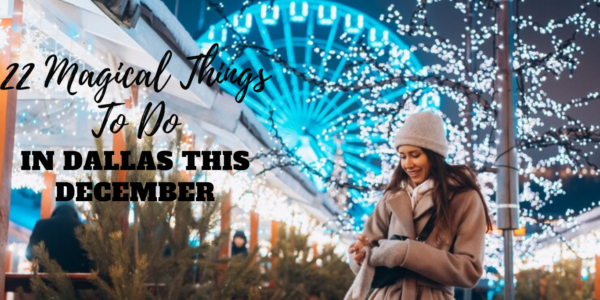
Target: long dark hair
<point x="448" y="179"/>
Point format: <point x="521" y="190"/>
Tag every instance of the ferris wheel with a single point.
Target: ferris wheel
<point x="301" y="32"/>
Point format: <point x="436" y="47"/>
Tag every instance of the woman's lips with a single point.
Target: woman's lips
<point x="413" y="173"/>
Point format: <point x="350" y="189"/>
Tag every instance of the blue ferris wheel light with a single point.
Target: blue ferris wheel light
<point x="310" y="120"/>
<point x="296" y="16"/>
<point x="378" y="41"/>
<point x="269" y="16"/>
<point x="327" y="20"/>
<point x="212" y="35"/>
<point x="245" y="27"/>
<point x="353" y="28"/>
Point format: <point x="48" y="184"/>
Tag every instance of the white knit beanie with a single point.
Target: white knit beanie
<point x="424" y="130"/>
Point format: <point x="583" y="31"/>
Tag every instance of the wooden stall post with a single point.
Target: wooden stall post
<point x="188" y="142"/>
<point x="48" y="201"/>
<point x="578" y="279"/>
<point x="225" y="228"/>
<point x="254" y="219"/>
<point x="121" y="176"/>
<point x="8" y="110"/>
<point x="274" y="239"/>
<point x="597" y="279"/>
<point x="8" y="266"/>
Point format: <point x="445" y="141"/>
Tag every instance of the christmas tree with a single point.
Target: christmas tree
<point x="562" y="282"/>
<point x="154" y="257"/>
<point x="299" y="274"/>
<point x="165" y="251"/>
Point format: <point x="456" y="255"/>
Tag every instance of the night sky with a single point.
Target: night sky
<point x="449" y="22"/>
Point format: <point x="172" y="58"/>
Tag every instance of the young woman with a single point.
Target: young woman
<point x="423" y="183"/>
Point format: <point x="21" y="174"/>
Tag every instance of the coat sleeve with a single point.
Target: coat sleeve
<point x="464" y="266"/>
<point x="375" y="228"/>
<point x="354" y="265"/>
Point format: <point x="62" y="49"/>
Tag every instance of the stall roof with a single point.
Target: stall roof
<point x="209" y="108"/>
<point x="583" y="223"/>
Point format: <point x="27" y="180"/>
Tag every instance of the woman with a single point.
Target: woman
<point x="238" y="245"/>
<point x="423" y="183"/>
<point x="58" y="235"/>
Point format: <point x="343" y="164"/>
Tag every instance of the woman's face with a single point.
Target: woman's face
<point x="238" y="241"/>
<point x="415" y="163"/>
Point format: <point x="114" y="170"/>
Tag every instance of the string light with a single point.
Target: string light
<point x="374" y="72"/>
<point x="3" y="38"/>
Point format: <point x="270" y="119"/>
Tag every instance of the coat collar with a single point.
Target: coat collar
<point x="423" y="205"/>
<point x="425" y="202"/>
<point x="422" y="193"/>
<point x="400" y="207"/>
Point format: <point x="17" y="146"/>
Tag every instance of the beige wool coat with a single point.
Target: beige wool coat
<point x="435" y="267"/>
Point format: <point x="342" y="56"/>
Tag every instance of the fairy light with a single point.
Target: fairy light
<point x="375" y="73"/>
<point x="22" y="180"/>
<point x="3" y="38"/>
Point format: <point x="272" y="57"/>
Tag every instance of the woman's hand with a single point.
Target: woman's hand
<point x="357" y="249"/>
